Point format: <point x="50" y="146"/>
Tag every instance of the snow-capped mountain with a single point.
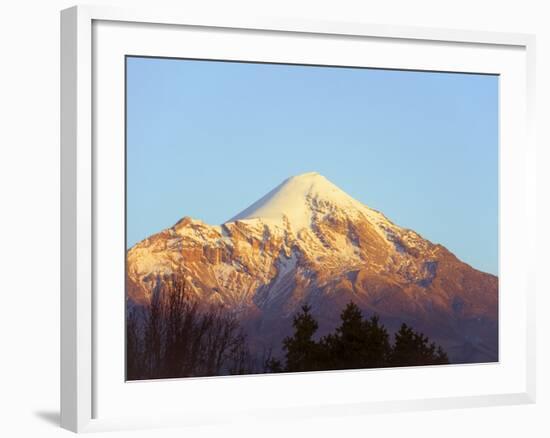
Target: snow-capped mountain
<point x="308" y="241"/>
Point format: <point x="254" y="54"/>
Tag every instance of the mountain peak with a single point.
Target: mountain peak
<point x="307" y="183"/>
<point x="296" y="198"/>
<point x="308" y="175"/>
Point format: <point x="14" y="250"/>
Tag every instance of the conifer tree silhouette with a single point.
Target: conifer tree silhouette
<point x="357" y="342"/>
<point x="413" y="348"/>
<point x="302" y="352"/>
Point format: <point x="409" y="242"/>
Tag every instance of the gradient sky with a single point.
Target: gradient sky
<point x="206" y="139"/>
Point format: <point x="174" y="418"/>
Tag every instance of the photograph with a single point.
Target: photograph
<point x="286" y="218"/>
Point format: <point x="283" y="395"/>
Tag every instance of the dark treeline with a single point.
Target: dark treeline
<point x="356" y="343"/>
<point x="172" y="337"/>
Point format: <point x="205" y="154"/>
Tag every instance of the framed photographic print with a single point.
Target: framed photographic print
<point x="341" y="212"/>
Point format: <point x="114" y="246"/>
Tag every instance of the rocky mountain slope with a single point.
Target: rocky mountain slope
<point x="308" y="241"/>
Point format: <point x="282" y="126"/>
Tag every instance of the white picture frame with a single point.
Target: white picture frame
<point x="82" y="370"/>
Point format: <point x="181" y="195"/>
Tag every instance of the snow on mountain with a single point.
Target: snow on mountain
<point x="309" y="241"/>
<point x="299" y="198"/>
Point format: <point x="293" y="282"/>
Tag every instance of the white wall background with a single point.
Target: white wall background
<point x="29" y="215"/>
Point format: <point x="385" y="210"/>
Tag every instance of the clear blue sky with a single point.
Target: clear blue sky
<point x="206" y="139"/>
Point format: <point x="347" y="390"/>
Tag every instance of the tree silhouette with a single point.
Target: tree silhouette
<point x="176" y="319"/>
<point x="356" y="343"/>
<point x="413" y="348"/>
<point x="379" y="348"/>
<point x="173" y="337"/>
<point x="180" y="340"/>
<point x="134" y="355"/>
<point x="302" y="352"/>
<point x="154" y="334"/>
<point x="271" y="364"/>
<point x="346" y="348"/>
